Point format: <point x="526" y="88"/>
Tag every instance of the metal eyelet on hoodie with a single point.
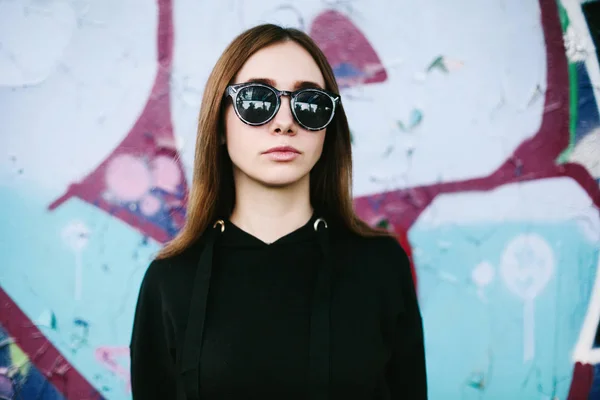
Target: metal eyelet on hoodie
<point x="317" y="222"/>
<point x="220" y="222"/>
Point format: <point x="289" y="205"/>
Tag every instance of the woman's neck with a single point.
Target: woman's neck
<point x="269" y="213"/>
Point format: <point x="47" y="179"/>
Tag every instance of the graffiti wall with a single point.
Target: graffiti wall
<point x="476" y="138"/>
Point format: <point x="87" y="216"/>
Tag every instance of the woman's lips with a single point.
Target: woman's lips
<point x="282" y="153"/>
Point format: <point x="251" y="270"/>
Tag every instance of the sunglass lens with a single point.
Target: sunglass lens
<point x="313" y="109"/>
<point x="256" y="104"/>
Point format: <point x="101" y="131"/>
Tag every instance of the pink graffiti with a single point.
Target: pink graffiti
<point x="127" y="177"/>
<point x="107" y="356"/>
<point x="361" y="65"/>
<point x="141" y="181"/>
<point x="166" y="174"/>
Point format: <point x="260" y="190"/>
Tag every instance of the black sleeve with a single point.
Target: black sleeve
<point x="152" y="369"/>
<point x="407" y="373"/>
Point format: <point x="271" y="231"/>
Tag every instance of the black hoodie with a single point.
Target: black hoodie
<point x="320" y="313"/>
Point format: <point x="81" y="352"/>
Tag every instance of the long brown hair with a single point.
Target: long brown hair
<point x="212" y="195"/>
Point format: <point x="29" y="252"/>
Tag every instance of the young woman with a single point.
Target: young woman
<point x="274" y="289"/>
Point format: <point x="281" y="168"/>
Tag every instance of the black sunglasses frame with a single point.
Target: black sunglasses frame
<point x="233" y="91"/>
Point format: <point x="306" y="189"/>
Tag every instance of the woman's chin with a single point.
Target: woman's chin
<point x="282" y="179"/>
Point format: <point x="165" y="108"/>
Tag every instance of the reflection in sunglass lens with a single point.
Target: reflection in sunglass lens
<point x="313" y="108"/>
<point x="256" y="104"/>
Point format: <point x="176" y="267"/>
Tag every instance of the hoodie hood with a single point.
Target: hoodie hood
<point x="227" y="236"/>
<point x="233" y="236"/>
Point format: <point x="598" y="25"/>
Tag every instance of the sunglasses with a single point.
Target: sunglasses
<point x="257" y="103"/>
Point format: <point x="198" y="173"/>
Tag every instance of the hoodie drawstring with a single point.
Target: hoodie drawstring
<point x="319" y="352"/>
<point x="320" y="315"/>
<point x="192" y="345"/>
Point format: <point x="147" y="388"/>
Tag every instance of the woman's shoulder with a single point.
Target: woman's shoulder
<point x="380" y="257"/>
<point x="378" y="265"/>
<point x="382" y="247"/>
<point x="174" y="268"/>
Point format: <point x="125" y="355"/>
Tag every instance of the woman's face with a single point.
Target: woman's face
<point x="284" y="66"/>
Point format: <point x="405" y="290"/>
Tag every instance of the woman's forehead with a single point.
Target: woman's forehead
<point x="284" y="65"/>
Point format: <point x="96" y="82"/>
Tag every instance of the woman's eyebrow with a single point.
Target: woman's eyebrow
<point x="307" y="85"/>
<point x="298" y="85"/>
<point x="265" y="81"/>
